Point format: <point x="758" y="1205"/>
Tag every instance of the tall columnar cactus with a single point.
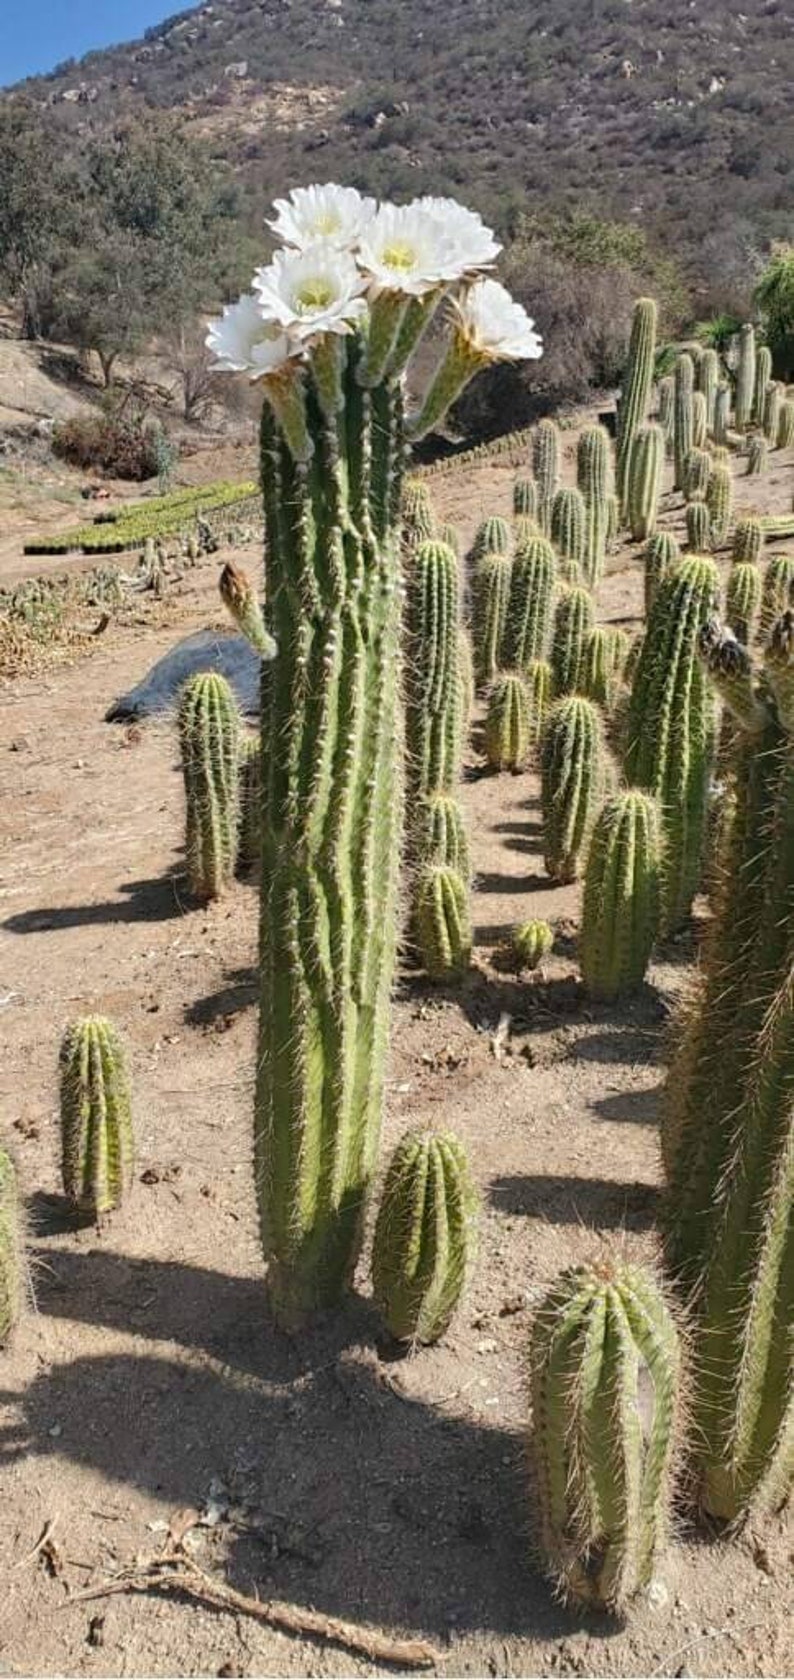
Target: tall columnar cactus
<point x="546" y="454"/>
<point x="593" y="476"/>
<point x="530" y="942"/>
<point x="465" y="683"/>
<point x="507" y="725"/>
<point x="613" y="522"/>
<point x="599" y="672"/>
<point x="785" y="425"/>
<point x="574" y="779"/>
<point x="209" y="735"/>
<point x="707" y="379"/>
<point x="528" y="618"/>
<point x="525" y="498"/>
<point x="432" y="682"/>
<point x="757" y="455"/>
<point x="605" y="1390"/>
<point x="748" y="539"/>
<point x="671" y="725"/>
<point x="745" y="377"/>
<point x="250" y="801"/>
<point x="697" y="472"/>
<point x="698" y="528"/>
<point x="719" y="501"/>
<point x="636" y="387"/>
<point x="491" y="537"/>
<point x="11" y="1248"/>
<point x="666" y="411"/>
<point x="492" y="585"/>
<point x="572" y="620"/>
<point x="442" y="921"/>
<point x="743" y="599"/>
<point x="722" y="414"/>
<point x="728" y="1132"/>
<point x="699" y="420"/>
<point x="568" y="532"/>
<point x="97" y="1147"/>
<point x="659" y="555"/>
<point x="763" y="375"/>
<point x="538" y="682"/>
<point x="645" y="469"/>
<point x="621" y="905"/>
<point x="683" y="416"/>
<point x="417" y="513"/>
<point x="771" y="415"/>
<point x="441" y="834"/>
<point x="425" y="1236"/>
<point x="777" y="590"/>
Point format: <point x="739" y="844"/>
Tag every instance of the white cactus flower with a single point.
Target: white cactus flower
<point x="495" y="327"/>
<point x="243" y="342"/>
<point x="310" y="292"/>
<point x="335" y="214"/>
<point x="406" y="250"/>
<point x="473" y="244"/>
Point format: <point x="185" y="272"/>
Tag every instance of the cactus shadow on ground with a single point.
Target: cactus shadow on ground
<point x="603" y="1204"/>
<point x="155" y="900"/>
<point x="239" y="991"/>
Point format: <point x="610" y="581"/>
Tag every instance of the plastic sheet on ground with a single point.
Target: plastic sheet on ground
<point x="157" y="692"/>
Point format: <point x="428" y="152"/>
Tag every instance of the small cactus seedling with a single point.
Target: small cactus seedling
<point x="748" y="539"/>
<point x="530" y="942"/>
<point x="757" y="455"/>
<point x="568" y="531"/>
<point x="743" y="599"/>
<point x="620" y="914"/>
<point x="507" y="732"/>
<point x="646" y="466"/>
<point x="239" y="597"/>
<point x="525" y="498"/>
<point x="97" y="1150"/>
<point x="605" y="1380"/>
<point x="425" y="1236"/>
<point x="574" y="778"/>
<point x="777" y="590"/>
<point x="441" y="834"/>
<point x="250" y="799"/>
<point x="11" y="1248"/>
<point x="528" y="617"/>
<point x="209" y="731"/>
<point x="492" y="585"/>
<point x="572" y="622"/>
<point x="660" y="554"/>
<point x="443" y="922"/>
<point x="698" y="528"/>
<point x="719" y="501"/>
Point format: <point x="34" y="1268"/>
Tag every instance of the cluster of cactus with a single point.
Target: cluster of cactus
<point x="11" y="1248"/>
<point x="97" y="1146"/>
<point x="605" y="1388"/>
<point x="593" y="477"/>
<point x="425" y="1236"/>
<point x="671" y="725"/>
<point x="209" y="739"/>
<point x="507" y="723"/>
<point x="573" y="620"/>
<point x="575" y="774"/>
<point x="621" y="904"/>
<point x="728" y="1134"/>
<point x="636" y="387"/>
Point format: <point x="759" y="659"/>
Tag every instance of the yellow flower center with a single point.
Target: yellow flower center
<point x="399" y="255"/>
<point x="314" y="294"/>
<point x="327" y="222"/>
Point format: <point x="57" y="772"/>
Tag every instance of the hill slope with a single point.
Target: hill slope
<point x="615" y="103"/>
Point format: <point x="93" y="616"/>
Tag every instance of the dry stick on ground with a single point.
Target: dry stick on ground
<point x="183" y="1575"/>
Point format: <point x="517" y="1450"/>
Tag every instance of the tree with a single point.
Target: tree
<point x="38" y="211"/>
<point x="774" y="296"/>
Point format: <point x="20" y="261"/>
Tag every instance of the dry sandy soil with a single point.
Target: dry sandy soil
<point x="388" y="1491"/>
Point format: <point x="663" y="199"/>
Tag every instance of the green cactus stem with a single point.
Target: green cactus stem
<point x="432" y="679"/>
<point x="507" y="733"/>
<point x="538" y="682"/>
<point x="441" y="834"/>
<point x="636" y="387"/>
<point x="425" y="1236"/>
<point x="743" y="599"/>
<point x="698" y="528"/>
<point x="492" y="587"/>
<point x="593" y="476"/>
<point x="621" y="906"/>
<point x="697" y="472"/>
<point x="763" y="375"/>
<point x="604" y="1367"/>
<point x="491" y="537"/>
<point x="525" y="498"/>
<point x="418" y="523"/>
<point x="568" y="528"/>
<point x="572" y="621"/>
<point x="11" y="1248"/>
<point x="97" y="1148"/>
<point x="574" y="781"/>
<point x="645" y="469"/>
<point x="666" y="411"/>
<point x="209" y="734"/>
<point x="684" y="416"/>
<point x="450" y="537"/>
<point x="659" y="555"/>
<point x="613" y="522"/>
<point x="443" y="922"/>
<point x="530" y="942"/>
<point x="599" y="670"/>
<point x="465" y="683"/>
<point x="757" y="455"/>
<point x="239" y="597"/>
<point x="722" y="414"/>
<point x="785" y="425"/>
<point x="528" y="618"/>
<point x="719" y="501"/>
<point x="748" y="540"/>
<point x="707" y="379"/>
<point x="771" y="416"/>
<point x="546" y="456"/>
<point x="699" y="420"/>
<point x="777" y="590"/>
<point x="745" y="378"/>
<point x="250" y="802"/>
<point x="671" y="725"/>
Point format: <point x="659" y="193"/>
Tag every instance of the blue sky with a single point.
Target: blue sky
<point x="38" y="34"/>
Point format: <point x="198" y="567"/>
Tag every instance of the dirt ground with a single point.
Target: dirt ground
<point x="390" y="1492"/>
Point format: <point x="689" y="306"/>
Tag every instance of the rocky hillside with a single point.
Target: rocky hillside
<point x="681" y="116"/>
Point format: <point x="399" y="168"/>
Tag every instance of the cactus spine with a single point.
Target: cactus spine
<point x="620" y="913"/>
<point x="777" y="590"/>
<point x="671" y="725"/>
<point x="684" y="418"/>
<point x="745" y="378"/>
<point x="331" y="730"/>
<point x="546" y="452"/>
<point x="443" y="925"/>
<point x="719" y="501"/>
<point x="11" y="1248"/>
<point x="425" y="1236"/>
<point x="97" y="1149"/>
<point x="757" y="455"/>
<point x="528" y="616"/>
<point x="785" y="425"/>
<point x="748" y="539"/>
<point x="604" y="1373"/>
<point x="433" y="697"/>
<point x="507" y="732"/>
<point x="572" y="621"/>
<point x="707" y="379"/>
<point x="697" y="471"/>
<point x="574" y="774"/>
<point x="530" y="942"/>
<point x="660" y="554"/>
<point x="743" y="599"/>
<point x="568" y="530"/>
<point x="636" y="388"/>
<point x="525" y="498"/>
<point x="250" y="801"/>
<point x="698" y="528"/>
<point x="209" y="732"/>
<point x="763" y="375"/>
<point x="593" y="461"/>
<point x="492" y="586"/>
<point x="646" y="465"/>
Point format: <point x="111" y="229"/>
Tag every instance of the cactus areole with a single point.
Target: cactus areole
<point x="328" y="329"/>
